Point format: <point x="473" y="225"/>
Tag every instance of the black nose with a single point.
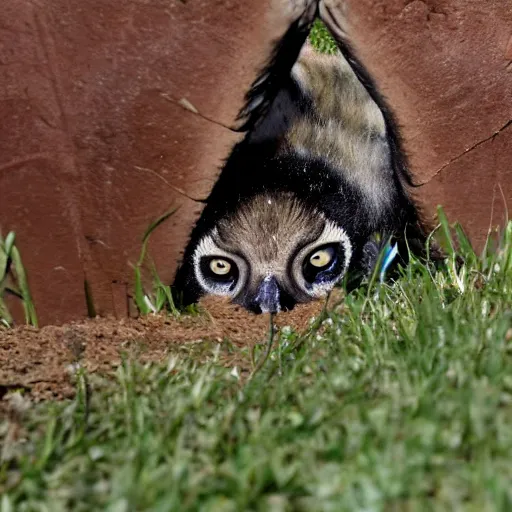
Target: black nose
<point x="267" y="296"/>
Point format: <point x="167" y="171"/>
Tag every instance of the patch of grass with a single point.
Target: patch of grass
<point x="160" y="297"/>
<point x="401" y="399"/>
<point x="13" y="280"/>
<point x="321" y="39"/>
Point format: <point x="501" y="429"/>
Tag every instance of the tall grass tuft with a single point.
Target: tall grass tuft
<point x="13" y="280"/>
<point x="160" y="297"/>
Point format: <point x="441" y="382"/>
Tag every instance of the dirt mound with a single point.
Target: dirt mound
<point x="41" y="360"/>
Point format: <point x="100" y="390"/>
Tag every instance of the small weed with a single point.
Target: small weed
<point x="160" y="298"/>
<point x="13" y="280"/>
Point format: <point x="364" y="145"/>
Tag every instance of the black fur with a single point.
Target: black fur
<point x="276" y="75"/>
<point x="254" y="168"/>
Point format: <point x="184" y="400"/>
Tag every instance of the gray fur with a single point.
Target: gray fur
<point x="261" y="238"/>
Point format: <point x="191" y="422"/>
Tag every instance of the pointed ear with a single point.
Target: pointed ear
<point x="276" y="73"/>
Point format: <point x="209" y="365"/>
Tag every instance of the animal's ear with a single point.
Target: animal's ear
<point x="276" y="73"/>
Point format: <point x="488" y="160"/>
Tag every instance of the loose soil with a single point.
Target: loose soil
<point x="41" y="361"/>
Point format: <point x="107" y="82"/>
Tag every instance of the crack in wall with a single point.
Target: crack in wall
<point x="170" y="185"/>
<point x="186" y="105"/>
<point x="466" y="151"/>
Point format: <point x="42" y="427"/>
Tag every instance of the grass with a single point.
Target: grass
<point x="399" y="399"/>
<point x="13" y="281"/>
<point x="321" y="39"/>
<point x="160" y="297"/>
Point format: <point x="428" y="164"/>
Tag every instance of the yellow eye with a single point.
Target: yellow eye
<point x="220" y="267"/>
<point x="322" y="257"/>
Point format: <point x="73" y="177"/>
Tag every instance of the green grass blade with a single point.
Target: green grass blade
<point x="9" y="242"/>
<point x="5" y="316"/>
<point x="21" y="278"/>
<point x="140" y="296"/>
<point x="445" y="233"/>
<point x="5" y="254"/>
<point x="465" y="248"/>
<point x="151" y="228"/>
<point x="166" y="291"/>
<point x="139" y="293"/>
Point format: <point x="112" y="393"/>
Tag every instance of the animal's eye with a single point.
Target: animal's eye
<point x="218" y="275"/>
<point x="322" y="257"/>
<point x="323" y="263"/>
<point x="220" y="267"/>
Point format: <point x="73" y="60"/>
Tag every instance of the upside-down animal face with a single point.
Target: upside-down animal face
<point x="271" y="254"/>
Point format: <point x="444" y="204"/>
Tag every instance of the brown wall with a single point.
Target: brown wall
<point x="446" y="67"/>
<point x="96" y="143"/>
<point x="96" y="140"/>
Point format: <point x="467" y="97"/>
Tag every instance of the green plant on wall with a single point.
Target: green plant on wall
<point x="13" y="280"/>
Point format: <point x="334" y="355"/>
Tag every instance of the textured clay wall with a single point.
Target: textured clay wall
<point x="115" y="112"/>
<point x="112" y="114"/>
<point x="446" y="68"/>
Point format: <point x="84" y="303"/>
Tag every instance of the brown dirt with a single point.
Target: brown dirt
<point x="40" y="360"/>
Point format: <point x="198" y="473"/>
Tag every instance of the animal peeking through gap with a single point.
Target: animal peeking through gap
<point x="313" y="191"/>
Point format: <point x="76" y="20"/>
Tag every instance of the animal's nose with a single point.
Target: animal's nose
<point x="268" y="296"/>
